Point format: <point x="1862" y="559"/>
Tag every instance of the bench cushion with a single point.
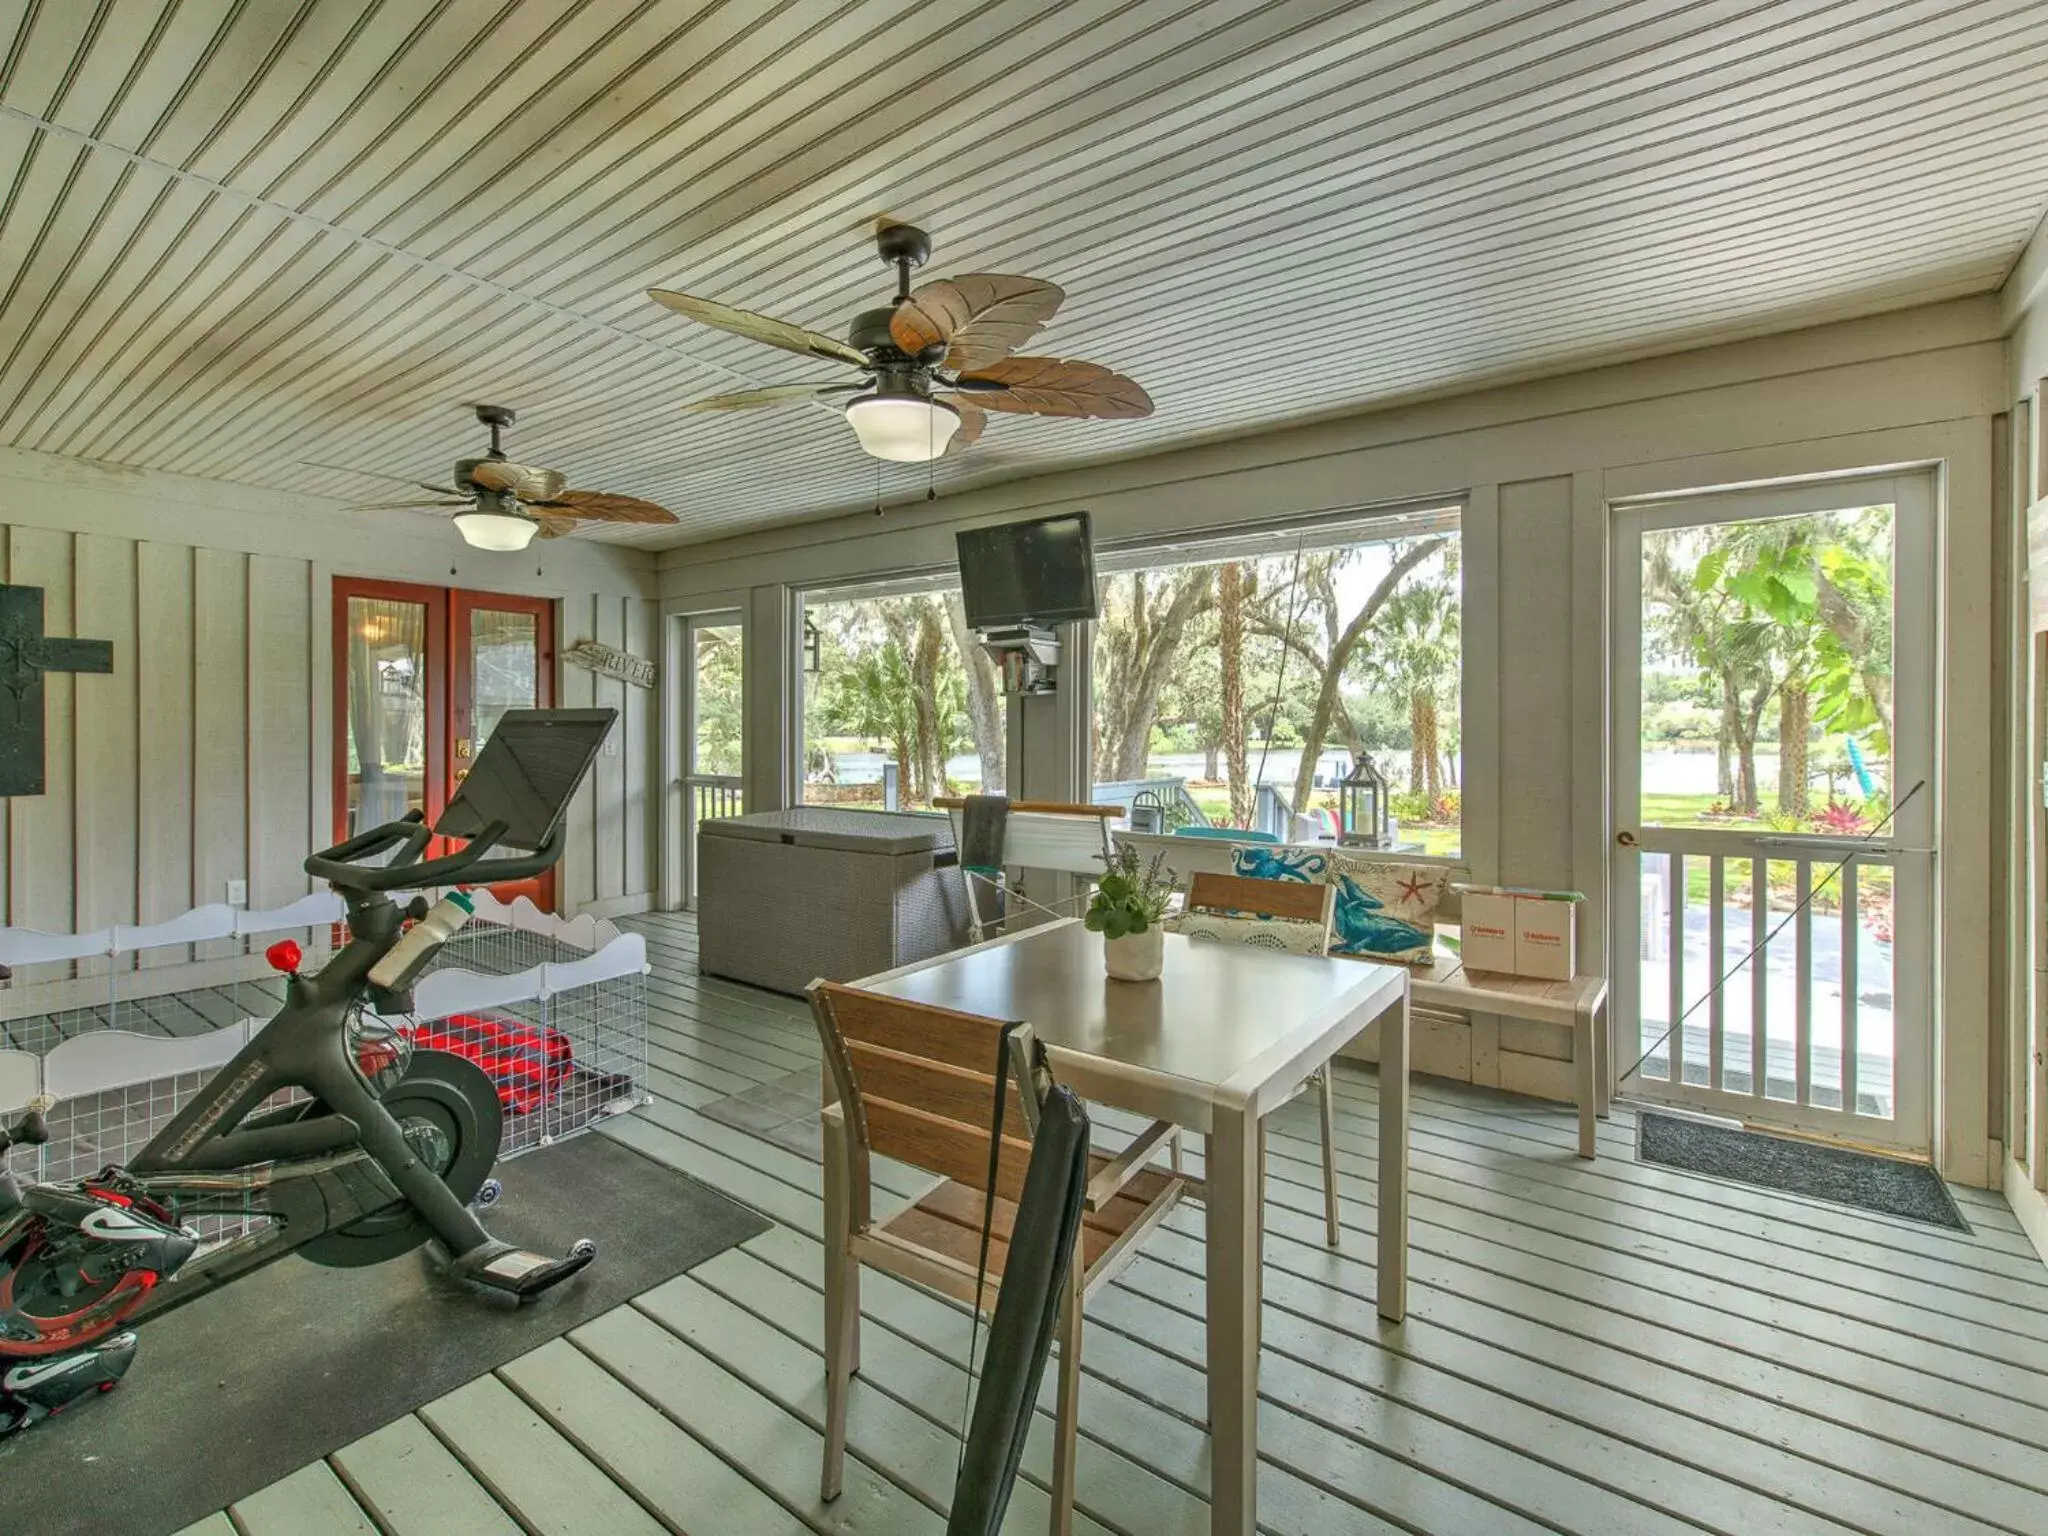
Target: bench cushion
<point x="1519" y="997"/>
<point x="1276" y="933"/>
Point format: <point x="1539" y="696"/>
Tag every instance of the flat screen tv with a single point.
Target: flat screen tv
<point x="1038" y="572"/>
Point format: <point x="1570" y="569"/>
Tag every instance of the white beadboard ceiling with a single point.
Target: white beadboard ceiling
<point x="242" y="237"/>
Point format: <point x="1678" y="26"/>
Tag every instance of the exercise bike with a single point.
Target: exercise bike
<point x="387" y="1147"/>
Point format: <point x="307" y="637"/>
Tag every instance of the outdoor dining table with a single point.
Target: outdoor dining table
<point x="1226" y="1035"/>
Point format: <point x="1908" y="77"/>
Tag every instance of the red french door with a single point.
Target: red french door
<point x="422" y="675"/>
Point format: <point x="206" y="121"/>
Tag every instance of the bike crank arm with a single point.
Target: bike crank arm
<point x="304" y="1200"/>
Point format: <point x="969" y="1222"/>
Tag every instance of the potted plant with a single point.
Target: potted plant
<point x="1126" y="910"/>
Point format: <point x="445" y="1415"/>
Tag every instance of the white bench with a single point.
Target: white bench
<point x="1578" y="1005"/>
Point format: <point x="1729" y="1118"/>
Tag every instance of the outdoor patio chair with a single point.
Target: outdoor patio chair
<point x="1246" y="911"/>
<point x="1067" y="839"/>
<point x="917" y="1083"/>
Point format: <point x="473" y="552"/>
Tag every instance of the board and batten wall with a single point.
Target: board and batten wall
<point x="207" y="754"/>
<point x="1538" y="465"/>
<point x="2024" y="304"/>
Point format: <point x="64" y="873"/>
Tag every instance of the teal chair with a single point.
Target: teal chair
<point x="1226" y="834"/>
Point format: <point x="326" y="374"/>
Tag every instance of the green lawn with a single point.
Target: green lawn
<point x="1875" y="883"/>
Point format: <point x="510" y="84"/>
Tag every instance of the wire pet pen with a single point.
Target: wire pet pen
<point x="125" y="1025"/>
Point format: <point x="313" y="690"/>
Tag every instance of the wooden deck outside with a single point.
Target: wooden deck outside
<point x="1589" y="1348"/>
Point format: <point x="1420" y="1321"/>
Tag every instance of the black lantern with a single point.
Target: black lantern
<point x="814" y="644"/>
<point x="1362" y="805"/>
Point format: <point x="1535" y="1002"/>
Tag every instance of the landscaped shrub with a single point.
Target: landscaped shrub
<point x="1839" y="820"/>
<point x="1415" y="808"/>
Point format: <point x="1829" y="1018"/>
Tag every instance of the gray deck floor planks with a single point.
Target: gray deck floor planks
<point x="1591" y="1347"/>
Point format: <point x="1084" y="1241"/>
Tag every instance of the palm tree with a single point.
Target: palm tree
<point x="1699" y="618"/>
<point x="1414" y="653"/>
<point x="875" y="699"/>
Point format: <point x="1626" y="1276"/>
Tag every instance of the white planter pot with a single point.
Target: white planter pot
<point x="1138" y="957"/>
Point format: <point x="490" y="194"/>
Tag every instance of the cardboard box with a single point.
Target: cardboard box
<point x="1486" y="928"/>
<point x="1546" y="938"/>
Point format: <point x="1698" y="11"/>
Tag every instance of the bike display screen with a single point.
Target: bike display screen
<point x="527" y="773"/>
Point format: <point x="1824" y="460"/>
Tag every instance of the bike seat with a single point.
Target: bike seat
<point x="31" y="1130"/>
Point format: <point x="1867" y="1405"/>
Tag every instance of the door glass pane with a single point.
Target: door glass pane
<point x="387" y="710"/>
<point x="1767" y="674"/>
<point x="504" y="655"/>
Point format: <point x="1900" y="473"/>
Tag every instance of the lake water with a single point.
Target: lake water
<point x="1666" y="770"/>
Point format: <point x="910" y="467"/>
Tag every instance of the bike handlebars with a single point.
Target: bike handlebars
<point x="341" y="866"/>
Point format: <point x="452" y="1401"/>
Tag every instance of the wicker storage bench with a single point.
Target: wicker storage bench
<point x="785" y="897"/>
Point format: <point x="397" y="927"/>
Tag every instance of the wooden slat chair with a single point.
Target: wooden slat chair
<point x="917" y="1084"/>
<point x="1282" y="901"/>
<point x="1038" y="834"/>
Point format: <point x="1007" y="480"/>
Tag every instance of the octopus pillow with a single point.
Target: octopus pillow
<point x="1275" y="861"/>
<point x="1385" y="911"/>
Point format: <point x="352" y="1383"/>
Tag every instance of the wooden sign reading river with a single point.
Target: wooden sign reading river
<point x="611" y="662"/>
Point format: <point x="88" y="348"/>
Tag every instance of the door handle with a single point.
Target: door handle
<point x="1625" y="839"/>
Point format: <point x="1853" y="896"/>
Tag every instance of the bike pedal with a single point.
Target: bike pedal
<point x="526" y="1275"/>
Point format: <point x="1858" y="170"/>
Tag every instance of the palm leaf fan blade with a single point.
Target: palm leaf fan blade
<point x="771" y="394"/>
<point x="762" y="328"/>
<point x="523" y="481"/>
<point x="983" y="316"/>
<point x="602" y="507"/>
<point x="972" y="420"/>
<point x="1054" y="386"/>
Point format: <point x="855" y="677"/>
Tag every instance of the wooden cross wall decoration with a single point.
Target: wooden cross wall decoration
<point x="26" y="653"/>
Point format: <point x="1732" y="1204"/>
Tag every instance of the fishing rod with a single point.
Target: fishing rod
<point x="1764" y="942"/>
<point x="1280" y="678"/>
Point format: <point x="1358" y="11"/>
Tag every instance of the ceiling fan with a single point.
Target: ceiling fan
<point x="935" y="361"/>
<point x="499" y="505"/>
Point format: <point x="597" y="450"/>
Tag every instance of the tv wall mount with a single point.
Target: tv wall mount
<point x="1026" y="655"/>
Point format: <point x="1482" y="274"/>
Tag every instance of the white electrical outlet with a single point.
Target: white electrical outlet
<point x="238" y="893"/>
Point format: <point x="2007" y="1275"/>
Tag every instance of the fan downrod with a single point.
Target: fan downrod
<point x="904" y="247"/>
<point x="497" y="418"/>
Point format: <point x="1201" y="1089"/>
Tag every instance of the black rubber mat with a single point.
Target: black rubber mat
<point x="242" y="1387"/>
<point x="1838" y="1175"/>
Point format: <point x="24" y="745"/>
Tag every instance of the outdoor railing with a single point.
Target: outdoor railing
<point x="1809" y="1020"/>
<point x="713" y="795"/>
<point x="1273" y="812"/>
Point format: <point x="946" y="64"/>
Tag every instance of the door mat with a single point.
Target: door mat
<point x="237" y="1389"/>
<point x="1861" y="1180"/>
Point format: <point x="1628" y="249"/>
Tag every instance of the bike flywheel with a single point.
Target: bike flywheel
<point x="453" y="1120"/>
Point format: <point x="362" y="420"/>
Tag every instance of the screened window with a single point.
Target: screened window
<point x="1238" y="679"/>
<point x="900" y="704"/>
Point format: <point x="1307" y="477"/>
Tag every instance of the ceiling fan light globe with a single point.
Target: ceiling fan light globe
<point x="499" y="532"/>
<point x="905" y="429"/>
